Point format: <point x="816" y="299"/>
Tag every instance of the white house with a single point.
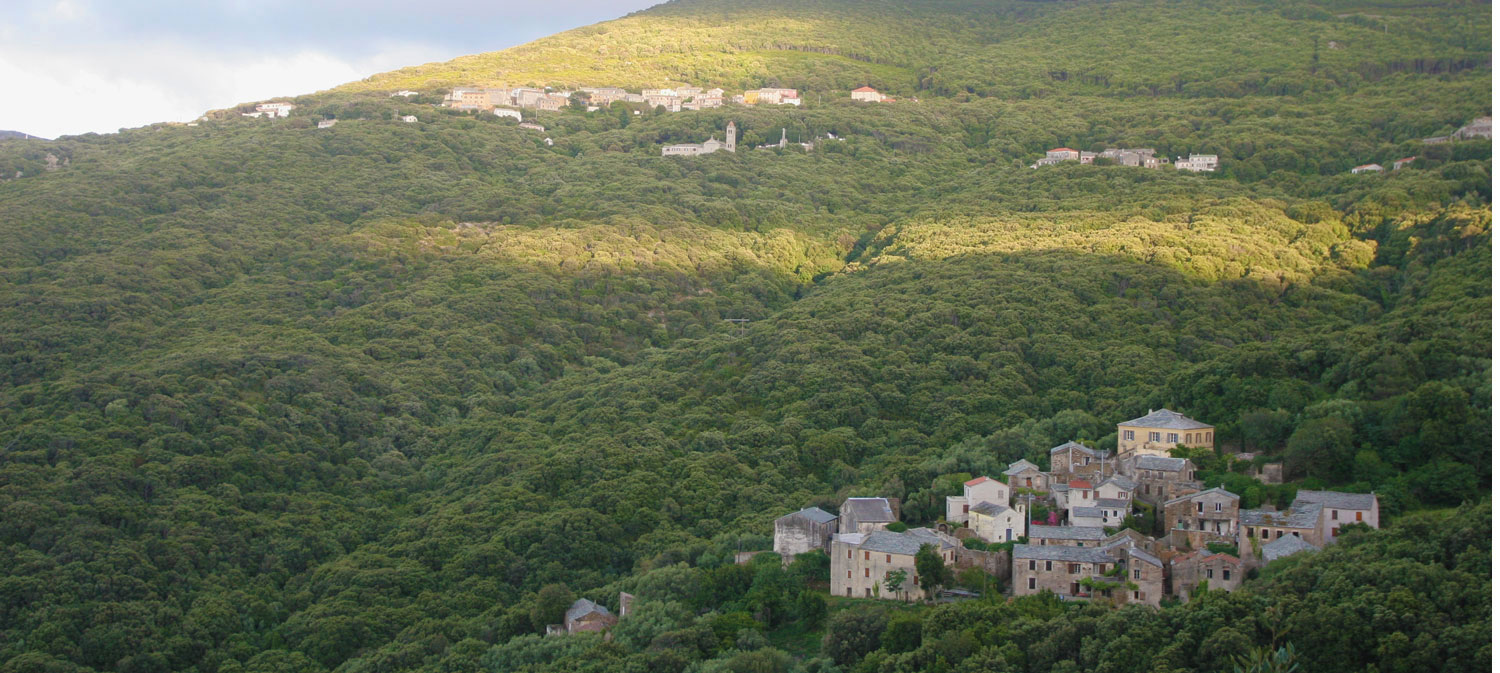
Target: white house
<point x="866" y="94"/>
<point x="1342" y="508"/>
<point x="1198" y="163"/>
<point x="410" y="119"/>
<point x="508" y="112"/>
<point x="994" y="522"/>
<point x="1367" y="168"/>
<point x="327" y="123"/>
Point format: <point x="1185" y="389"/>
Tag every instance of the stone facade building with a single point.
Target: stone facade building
<point x="1025" y="474"/>
<point x="1259" y="528"/>
<point x="586" y="615"/>
<point x="1159" y="479"/>
<point x="1203" y="517"/>
<point x="804" y="531"/>
<point x="866" y="515"/>
<point x="860" y="562"/>
<point x="866" y="94"/>
<point x="1058" y="569"/>
<point x="1076" y="460"/>
<point x="1220" y="571"/>
<point x="994" y="522"/>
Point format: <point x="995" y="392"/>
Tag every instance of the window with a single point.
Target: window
<point x="1080" y="544"/>
<point x="1130" y="435"/>
<point x="1265" y="533"/>
<point x="1137" y="595"/>
<point x="1072" y="568"/>
<point x="1226" y="574"/>
<point x="1085" y="460"/>
<point x="1096" y="495"/>
<point x="1155" y="436"/>
<point x="1049" y="566"/>
<point x="849" y="591"/>
<point x="1171" y="438"/>
<point x="1208" y="573"/>
<point x="1359" y="516"/>
<point x="1200" y="508"/>
<point x="867" y="556"/>
<point x="1137" y="573"/>
<point x="851" y="553"/>
<point x="1335" y="514"/>
<point x="1031" y="564"/>
<point x="1218" y="507"/>
<point x="849" y="574"/>
<point x="867" y="572"/>
<point x="966" y="509"/>
<point x="1031" y="583"/>
<point x="1280" y="533"/>
<point x="887" y="558"/>
<point x="867" y="592"/>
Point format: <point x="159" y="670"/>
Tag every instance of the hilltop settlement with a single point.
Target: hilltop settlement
<point x="1061" y="529"/>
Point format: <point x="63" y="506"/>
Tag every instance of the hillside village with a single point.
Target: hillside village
<point x="512" y="103"/>
<point x="1061" y="528"/>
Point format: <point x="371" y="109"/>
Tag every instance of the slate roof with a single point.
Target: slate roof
<point x="1336" y="500"/>
<point x="1088" y="512"/>
<point x="1168" y="419"/>
<point x="907" y="543"/>
<point x="1120" y="481"/>
<point x="1112" y="502"/>
<point x="1067" y="533"/>
<point x="870" y="509"/>
<point x="1097" y="453"/>
<point x="1190" y="496"/>
<point x="1144" y="556"/>
<point x="1160" y="463"/>
<point x="1021" y="466"/>
<point x="1284" y="546"/>
<point x="582" y="607"/>
<point x="1301" y="515"/>
<point x="1061" y="553"/>
<point x="988" y="508"/>
<point x="812" y="514"/>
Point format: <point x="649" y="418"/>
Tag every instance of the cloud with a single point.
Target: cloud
<point x="76" y="66"/>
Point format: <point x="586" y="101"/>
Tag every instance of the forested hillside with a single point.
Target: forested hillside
<point x="374" y="397"/>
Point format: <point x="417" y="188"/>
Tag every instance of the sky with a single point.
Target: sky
<point x="77" y="66"/>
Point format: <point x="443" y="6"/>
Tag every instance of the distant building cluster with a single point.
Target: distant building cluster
<point x="270" y="110"/>
<point x="1476" y="129"/>
<point x="706" y="147"/>
<point x="595" y="98"/>
<point x="1065" y="527"/>
<point x="1137" y="157"/>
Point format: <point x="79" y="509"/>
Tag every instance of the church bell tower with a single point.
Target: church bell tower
<point x="729" y="134"/>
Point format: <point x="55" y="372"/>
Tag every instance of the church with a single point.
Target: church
<point x="708" y="147"/>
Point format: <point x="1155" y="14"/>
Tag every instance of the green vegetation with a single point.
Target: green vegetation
<point x="386" y="396"/>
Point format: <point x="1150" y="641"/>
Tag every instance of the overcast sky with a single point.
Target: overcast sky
<point x="75" y="66"/>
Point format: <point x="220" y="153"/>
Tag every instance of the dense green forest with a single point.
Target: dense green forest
<point x="376" y="397"/>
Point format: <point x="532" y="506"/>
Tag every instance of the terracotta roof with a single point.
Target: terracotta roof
<point x="978" y="481"/>
<point x="865" y="89"/>
<point x="1062" y="149"/>
<point x="1079" y="483"/>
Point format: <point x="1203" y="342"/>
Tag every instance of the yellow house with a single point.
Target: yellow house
<point x="752" y="97"/>
<point x="1160" y="431"/>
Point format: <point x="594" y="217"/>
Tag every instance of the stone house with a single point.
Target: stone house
<point x="1025" y="474"/>
<point x="866" y="515"/>
<point x="866" y="94"/>
<point x="1065" y="536"/>
<point x="1259" y="527"/>
<point x="803" y="531"/>
<point x="860" y="561"/>
<point x="586" y="615"/>
<point x="604" y="96"/>
<point x="1158" y="479"/>
<point x="994" y="522"/>
<point x="525" y="97"/>
<point x="1058" y="569"/>
<point x="1117" y="487"/>
<point x="1342" y="508"/>
<point x="1072" y="459"/>
<point x="1220" y="571"/>
<point x="1142" y="569"/>
<point x="1160" y="431"/>
<point x="552" y="102"/>
<point x="1203" y="517"/>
